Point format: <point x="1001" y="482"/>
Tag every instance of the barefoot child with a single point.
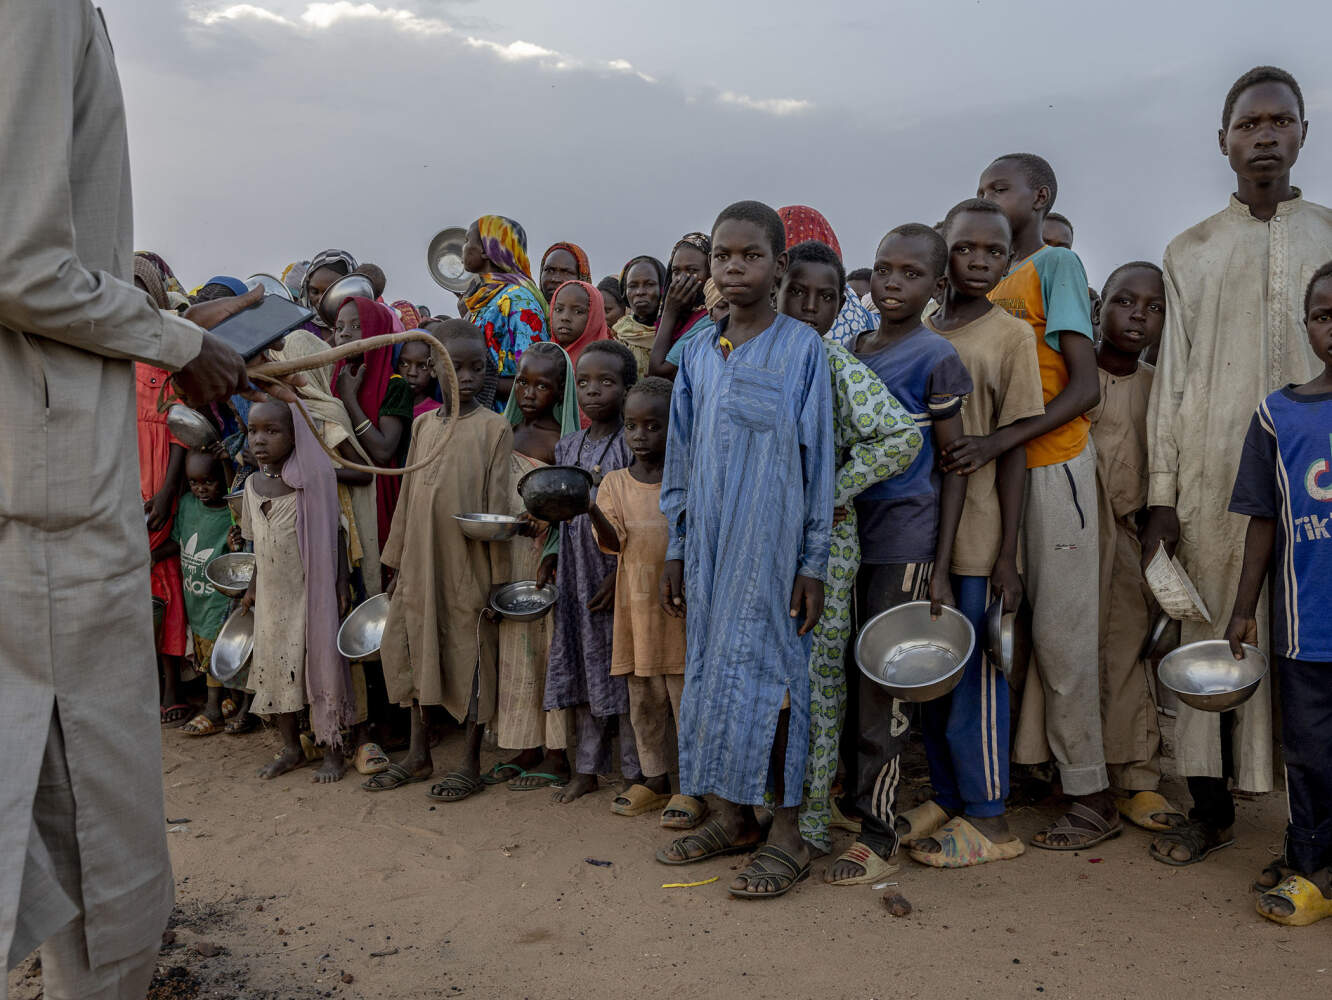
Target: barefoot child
<point x="880" y="440"/>
<point x="200" y="532"/>
<point x="747" y="490"/>
<point x="1284" y="478"/>
<point x="542" y="408"/>
<point x="907" y="523"/>
<point x="434" y="628"/>
<point x="966" y="731"/>
<point x="1131" y="314"/>
<point x="578" y="675"/>
<point x="299" y="590"/>
<point x="649" y="646"/>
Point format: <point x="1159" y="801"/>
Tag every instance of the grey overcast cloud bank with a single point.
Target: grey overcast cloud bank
<point x="262" y="132"/>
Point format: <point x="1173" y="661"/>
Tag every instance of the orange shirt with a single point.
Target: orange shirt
<point x="1049" y="291"/>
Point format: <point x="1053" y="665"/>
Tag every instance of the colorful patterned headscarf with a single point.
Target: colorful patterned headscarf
<point x="504" y="243"/>
<point x="579" y="255"/>
<point x="164" y="269"/>
<point x="339" y="260"/>
<point x="147" y="272"/>
<point x="701" y="242"/>
<point x="805" y="223"/>
<point x="411" y="318"/>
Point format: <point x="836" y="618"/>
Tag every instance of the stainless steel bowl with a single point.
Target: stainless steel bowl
<point x="489" y="527"/>
<point x="523" y="601"/>
<point x="912" y="656"/>
<point x="349" y="286"/>
<point x="1206" y="675"/>
<point x="235" y="499"/>
<point x="233" y="646"/>
<point x="444" y="259"/>
<point x="1008" y="640"/>
<point x="272" y="284"/>
<point x="363" y="630"/>
<point x="231" y="573"/>
<point x="190" y="427"/>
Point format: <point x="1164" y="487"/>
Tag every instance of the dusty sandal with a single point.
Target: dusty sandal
<point x="1151" y="811"/>
<point x="201" y="725"/>
<point x="711" y="837"/>
<point x="1198" y="839"/>
<point x="371" y="759"/>
<point x="454" y="787"/>
<point x="393" y="776"/>
<point x="961" y="845"/>
<point x="1305" y="900"/>
<point x="498" y="770"/>
<point x="638" y="799"/>
<point x="771" y="863"/>
<point x="875" y="867"/>
<point x="540" y="779"/>
<point x="689" y="812"/>
<point x="1097" y="830"/>
<point x="841" y="821"/>
<point x="921" y="821"/>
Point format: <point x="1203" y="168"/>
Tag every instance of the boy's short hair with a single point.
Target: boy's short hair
<point x="1322" y="274"/>
<point x="654" y="386"/>
<point x="859" y="274"/>
<point x="938" y="246"/>
<point x="1132" y="265"/>
<point x="1255" y="76"/>
<point x="817" y="252"/>
<point x="761" y="215"/>
<point x="378" y="279"/>
<point x="628" y="364"/>
<point x="458" y="331"/>
<point x="1037" y="170"/>
<point x="1061" y="219"/>
<point x="969" y="205"/>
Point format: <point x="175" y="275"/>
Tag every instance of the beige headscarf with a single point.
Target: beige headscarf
<point x="330" y="415"/>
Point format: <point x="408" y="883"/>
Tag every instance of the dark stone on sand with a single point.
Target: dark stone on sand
<point x="897" y="904"/>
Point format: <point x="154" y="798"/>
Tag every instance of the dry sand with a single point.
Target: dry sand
<point x="286" y="889"/>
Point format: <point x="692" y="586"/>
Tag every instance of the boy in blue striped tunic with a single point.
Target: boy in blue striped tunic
<point x="1284" y="485"/>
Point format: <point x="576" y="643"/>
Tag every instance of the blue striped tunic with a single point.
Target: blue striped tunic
<point x="748" y="490"/>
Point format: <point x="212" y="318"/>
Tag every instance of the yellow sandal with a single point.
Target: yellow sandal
<point x="1310" y="904"/>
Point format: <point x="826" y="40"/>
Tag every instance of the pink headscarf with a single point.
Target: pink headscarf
<point x="596" y="328"/>
<point x="804" y="223"/>
<point x="309" y="472"/>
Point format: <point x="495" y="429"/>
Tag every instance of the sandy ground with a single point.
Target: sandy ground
<point x="287" y="890"/>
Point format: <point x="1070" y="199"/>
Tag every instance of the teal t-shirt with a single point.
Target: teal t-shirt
<point x="201" y="532"/>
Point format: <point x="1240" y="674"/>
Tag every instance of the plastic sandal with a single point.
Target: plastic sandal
<point x="963" y="846"/>
<point x="545" y="781"/>
<point x="371" y="759"/>
<point x="1199" y="839"/>
<point x="1142" y="809"/>
<point x="495" y="775"/>
<point x="454" y="787"/>
<point x="638" y="799"/>
<point x="201" y="725"/>
<point x="876" y="868"/>
<point x="1078" y="838"/>
<point x="1310" y="905"/>
<point x="711" y="837"/>
<point x="694" y="810"/>
<point x="771" y="862"/>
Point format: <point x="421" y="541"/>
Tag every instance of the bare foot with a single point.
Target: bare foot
<point x="288" y="760"/>
<point x="578" y="786"/>
<point x="331" y="770"/>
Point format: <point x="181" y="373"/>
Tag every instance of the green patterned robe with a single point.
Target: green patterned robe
<point x="875" y="440"/>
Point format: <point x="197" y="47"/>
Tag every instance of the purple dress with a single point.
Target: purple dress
<point x="580" y="649"/>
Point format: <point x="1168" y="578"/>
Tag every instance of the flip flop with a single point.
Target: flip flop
<point x="1079" y="838"/>
<point x="876" y="868"/>
<point x="393" y="776"/>
<point x="694" y="810"/>
<point x="371" y="759"/>
<point x="1143" y="809"/>
<point x="712" y="838"/>
<point x="1199" y="839"/>
<point x="201" y="725"/>
<point x="546" y="781"/>
<point x="840" y="821"/>
<point x="638" y="799"/>
<point x="176" y="715"/>
<point x="963" y="846"/>
<point x="922" y="821"/>
<point x="493" y="776"/>
<point x="1309" y="902"/>
<point x="454" y="787"/>
<point x="771" y="862"/>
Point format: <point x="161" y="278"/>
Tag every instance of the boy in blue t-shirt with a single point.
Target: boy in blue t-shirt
<point x="1284" y="485"/>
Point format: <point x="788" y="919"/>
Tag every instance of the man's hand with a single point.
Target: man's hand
<point x="806" y="602"/>
<point x="1162" y="528"/>
<point x="217" y="371"/>
<point x="671" y="589"/>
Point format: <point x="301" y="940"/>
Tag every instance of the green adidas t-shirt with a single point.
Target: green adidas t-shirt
<point x="201" y="532"/>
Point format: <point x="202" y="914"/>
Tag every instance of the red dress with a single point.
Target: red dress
<point x="155" y="443"/>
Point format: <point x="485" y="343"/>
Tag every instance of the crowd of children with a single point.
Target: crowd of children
<point x="780" y="450"/>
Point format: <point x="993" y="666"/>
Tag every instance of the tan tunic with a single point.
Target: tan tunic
<point x="1234" y="331"/>
<point x="647" y="642"/>
<point x="1129" y="727"/>
<point x="435" y="641"/>
<point x="277" y="667"/>
<point x="75" y="621"/>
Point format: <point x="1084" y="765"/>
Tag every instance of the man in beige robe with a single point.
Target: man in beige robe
<point x="84" y="870"/>
<point x="1233" y="333"/>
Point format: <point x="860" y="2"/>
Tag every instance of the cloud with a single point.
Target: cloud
<point x="768" y="105"/>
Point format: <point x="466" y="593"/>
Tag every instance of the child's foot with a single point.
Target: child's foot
<point x="331" y="770"/>
<point x="578" y="786"/>
<point x="288" y="760"/>
<point x="775" y="872"/>
<point x="995" y="829"/>
<point x="552" y="769"/>
<point x="1298" y="901"/>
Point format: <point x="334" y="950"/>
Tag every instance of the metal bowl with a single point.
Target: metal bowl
<point x="235" y="500"/>
<point x="190" y="427"/>
<point x="523" y="601"/>
<point x="1206" y="675"/>
<point x="914" y="657"/>
<point x="489" y="527"/>
<point x="444" y="259"/>
<point x="272" y="284"/>
<point x="1008" y="640"/>
<point x="556" y="492"/>
<point x="349" y="286"/>
<point x="233" y="646"/>
<point x="363" y="631"/>
<point x="231" y="573"/>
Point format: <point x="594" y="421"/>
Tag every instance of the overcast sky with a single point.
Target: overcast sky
<point x="262" y="132"/>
